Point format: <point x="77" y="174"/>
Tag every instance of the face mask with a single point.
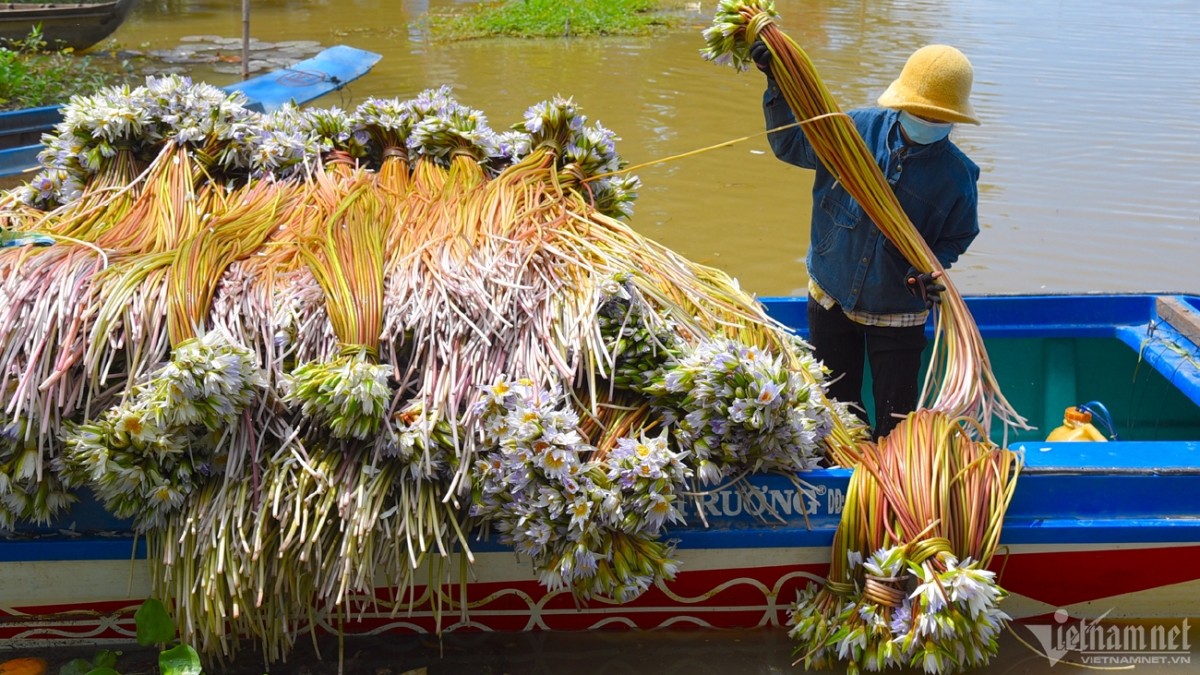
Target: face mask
<point x="921" y="132"/>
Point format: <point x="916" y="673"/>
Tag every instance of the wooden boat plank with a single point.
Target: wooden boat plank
<point x="1122" y="457"/>
<point x="1104" y="506"/>
<point x="1167" y="351"/>
<point x="21" y="13"/>
<point x="1006" y="316"/>
<point x="1182" y="316"/>
<point x="29" y="120"/>
<point x="1129" y="318"/>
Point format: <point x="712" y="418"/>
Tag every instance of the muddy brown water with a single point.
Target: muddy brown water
<point x="1089" y="147"/>
<point x="1090" y="157"/>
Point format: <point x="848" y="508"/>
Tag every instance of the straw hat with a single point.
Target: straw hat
<point x="935" y="83"/>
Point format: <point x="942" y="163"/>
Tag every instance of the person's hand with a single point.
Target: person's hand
<point x="761" y="55"/>
<point x="925" y="287"/>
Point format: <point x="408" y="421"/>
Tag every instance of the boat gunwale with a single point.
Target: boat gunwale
<point x="81" y="11"/>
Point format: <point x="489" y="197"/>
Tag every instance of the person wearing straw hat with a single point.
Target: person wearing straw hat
<point x="866" y="303"/>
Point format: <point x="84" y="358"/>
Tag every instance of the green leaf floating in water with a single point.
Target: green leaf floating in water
<point x="104" y="663"/>
<point x="154" y="625"/>
<point x="103" y="659"/>
<point x="76" y="667"/>
<point x="180" y="660"/>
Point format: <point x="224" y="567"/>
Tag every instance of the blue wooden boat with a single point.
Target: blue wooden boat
<point x="1095" y="528"/>
<point x="21" y="131"/>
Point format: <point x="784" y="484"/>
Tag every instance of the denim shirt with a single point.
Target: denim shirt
<point x="848" y="257"/>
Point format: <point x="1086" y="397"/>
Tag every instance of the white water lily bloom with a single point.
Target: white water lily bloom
<point x="930" y="593"/>
<point x="884" y="562"/>
<point x="580" y="509"/>
<point x="659" y="511"/>
<point x="534" y="482"/>
<point x="854" y="640"/>
<point x="208" y="381"/>
<point x="932" y="662"/>
<point x="973" y="588"/>
<point x="26" y="466"/>
<point x="349" y="393"/>
<point x="613" y="288"/>
<point x="140" y="427"/>
<point x="902" y="620"/>
<point x="740" y="401"/>
<point x="709" y="473"/>
<point x="514" y="145"/>
<point x="725" y="46"/>
<point x="49" y="188"/>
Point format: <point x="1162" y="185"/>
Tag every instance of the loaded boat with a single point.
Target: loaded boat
<point x="1081" y="532"/>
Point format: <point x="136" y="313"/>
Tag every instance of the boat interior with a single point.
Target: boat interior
<point x="1138" y="355"/>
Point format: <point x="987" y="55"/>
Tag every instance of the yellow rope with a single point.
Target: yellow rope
<point x="714" y="147"/>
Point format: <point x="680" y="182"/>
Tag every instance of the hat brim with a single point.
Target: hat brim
<point x="898" y="98"/>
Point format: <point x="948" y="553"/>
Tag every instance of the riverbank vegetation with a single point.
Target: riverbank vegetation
<point x="552" y="18"/>
<point x="31" y="77"/>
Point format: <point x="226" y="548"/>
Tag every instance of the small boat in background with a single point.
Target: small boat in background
<point x="21" y="130"/>
<point x="76" y="25"/>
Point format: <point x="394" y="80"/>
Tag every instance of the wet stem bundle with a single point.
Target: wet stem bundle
<point x="236" y="228"/>
<point x="348" y="263"/>
<point x="960" y="380"/>
<point x="351" y="392"/>
<point x="909" y="584"/>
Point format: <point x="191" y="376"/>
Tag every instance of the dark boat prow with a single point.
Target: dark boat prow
<point x="76" y="26"/>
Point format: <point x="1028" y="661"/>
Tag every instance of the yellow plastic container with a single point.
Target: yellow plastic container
<point x="1076" y="426"/>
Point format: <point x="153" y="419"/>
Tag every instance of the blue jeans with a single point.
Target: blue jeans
<point x="894" y="354"/>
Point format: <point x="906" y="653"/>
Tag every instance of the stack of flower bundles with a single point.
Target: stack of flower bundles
<point x="310" y="349"/>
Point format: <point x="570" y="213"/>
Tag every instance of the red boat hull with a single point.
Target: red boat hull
<point x="1086" y="580"/>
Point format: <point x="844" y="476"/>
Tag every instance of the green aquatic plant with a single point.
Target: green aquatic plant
<point x="31" y="76"/>
<point x="154" y="627"/>
<point x="103" y="663"/>
<point x="551" y="18"/>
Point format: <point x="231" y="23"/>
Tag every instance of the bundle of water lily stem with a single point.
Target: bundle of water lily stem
<point x="308" y="350"/>
<point x="908" y="583"/>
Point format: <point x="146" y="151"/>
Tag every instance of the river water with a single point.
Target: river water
<point x="1089" y="149"/>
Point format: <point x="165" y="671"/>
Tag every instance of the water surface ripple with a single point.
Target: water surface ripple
<point x="1090" y="143"/>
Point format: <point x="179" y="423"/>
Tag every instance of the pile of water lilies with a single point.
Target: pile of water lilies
<point x="309" y="349"/>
